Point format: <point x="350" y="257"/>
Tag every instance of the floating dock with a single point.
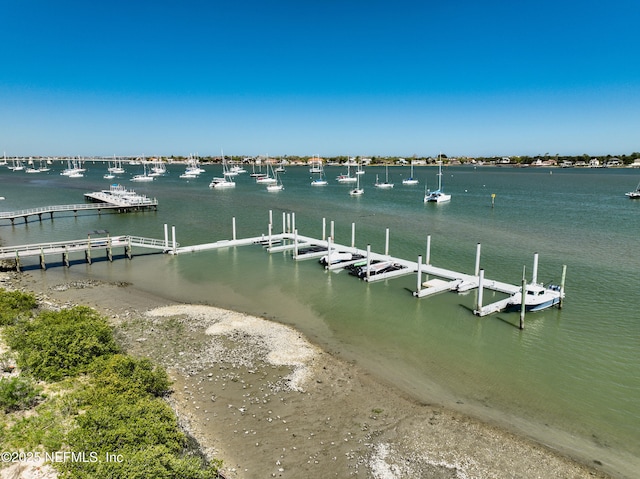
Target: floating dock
<point x="439" y="279"/>
<point x="368" y="265"/>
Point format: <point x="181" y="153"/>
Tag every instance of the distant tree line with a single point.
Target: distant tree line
<point x="381" y="160"/>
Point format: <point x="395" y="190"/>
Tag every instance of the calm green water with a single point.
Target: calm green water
<point x="571" y="379"/>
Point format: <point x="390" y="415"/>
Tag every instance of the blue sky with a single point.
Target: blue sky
<point x="325" y="77"/>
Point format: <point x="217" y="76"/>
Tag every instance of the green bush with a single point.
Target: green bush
<point x="122" y="374"/>
<point x="13" y="304"/>
<point x="152" y="462"/>
<point x="58" y="344"/>
<point x="17" y="393"/>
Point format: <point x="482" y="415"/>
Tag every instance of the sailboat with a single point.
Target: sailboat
<point x="43" y="167"/>
<point x="437" y="196"/>
<point x="411" y="180"/>
<point x="266" y="179"/>
<point x="319" y="170"/>
<point x="116" y="168"/>
<point x="347" y="178"/>
<point x="634" y="195"/>
<point x="357" y="191"/>
<point x="144" y="176"/>
<point x="386" y="183"/>
<point x="277" y="186"/>
<point x="224" y="181"/>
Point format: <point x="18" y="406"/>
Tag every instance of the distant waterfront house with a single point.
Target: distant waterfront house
<point x="636" y="163"/>
<point x="614" y="162"/>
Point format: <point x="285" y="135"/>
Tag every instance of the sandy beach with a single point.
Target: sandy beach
<point x="269" y="403"/>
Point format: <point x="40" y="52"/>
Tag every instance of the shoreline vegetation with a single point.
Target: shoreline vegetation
<point x="245" y="390"/>
<point x="516" y="161"/>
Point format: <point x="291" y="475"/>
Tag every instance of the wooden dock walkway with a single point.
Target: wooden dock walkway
<point x="85" y="245"/>
<point x="117" y="199"/>
<point x="50" y="210"/>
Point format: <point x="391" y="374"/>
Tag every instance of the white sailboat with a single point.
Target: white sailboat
<point x="116" y="169"/>
<point x="277" y="186"/>
<point x="437" y="196"/>
<point x="44" y="166"/>
<point x="317" y="170"/>
<point x="144" y="176"/>
<point x="357" y="191"/>
<point x="347" y="178"/>
<point x="225" y="181"/>
<point x="222" y="182"/>
<point x="411" y="180"/>
<point x="386" y="183"/>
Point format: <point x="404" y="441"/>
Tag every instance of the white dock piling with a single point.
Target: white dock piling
<point x="329" y="241"/>
<point x="284" y="223"/>
<point x="368" y="260"/>
<point x="480" y="289"/>
<point x="166" y="236"/>
<point x="332" y="229"/>
<point x="270" y="228"/>
<point x="353" y="235"/>
<point x="295" y="243"/>
<point x="477" y="270"/>
<point x="270" y="217"/>
<point x="523" y="299"/>
<point x="428" y="257"/>
<point x="534" y="276"/>
<point x="386" y="243"/>
<point x="288" y="221"/>
<point x="173" y="238"/>
<point x="564" y="275"/>
<point x="233" y="228"/>
<point x="419" y="274"/>
<point x="293" y="221"/>
<point x="324" y="229"/>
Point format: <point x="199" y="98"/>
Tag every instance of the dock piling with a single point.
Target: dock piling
<point x="419" y="280"/>
<point x="386" y="243"/>
<point x="166" y="236"/>
<point x="523" y="305"/>
<point x="428" y="256"/>
<point x="368" y="261"/>
<point x="564" y="276"/>
<point x="324" y="229"/>
<point x="109" y="249"/>
<point x="173" y="238"/>
<point x="534" y="275"/>
<point x="43" y="265"/>
<point x="480" y="298"/>
<point x="353" y="235"/>
<point x="233" y="228"/>
<point x="477" y="270"/>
